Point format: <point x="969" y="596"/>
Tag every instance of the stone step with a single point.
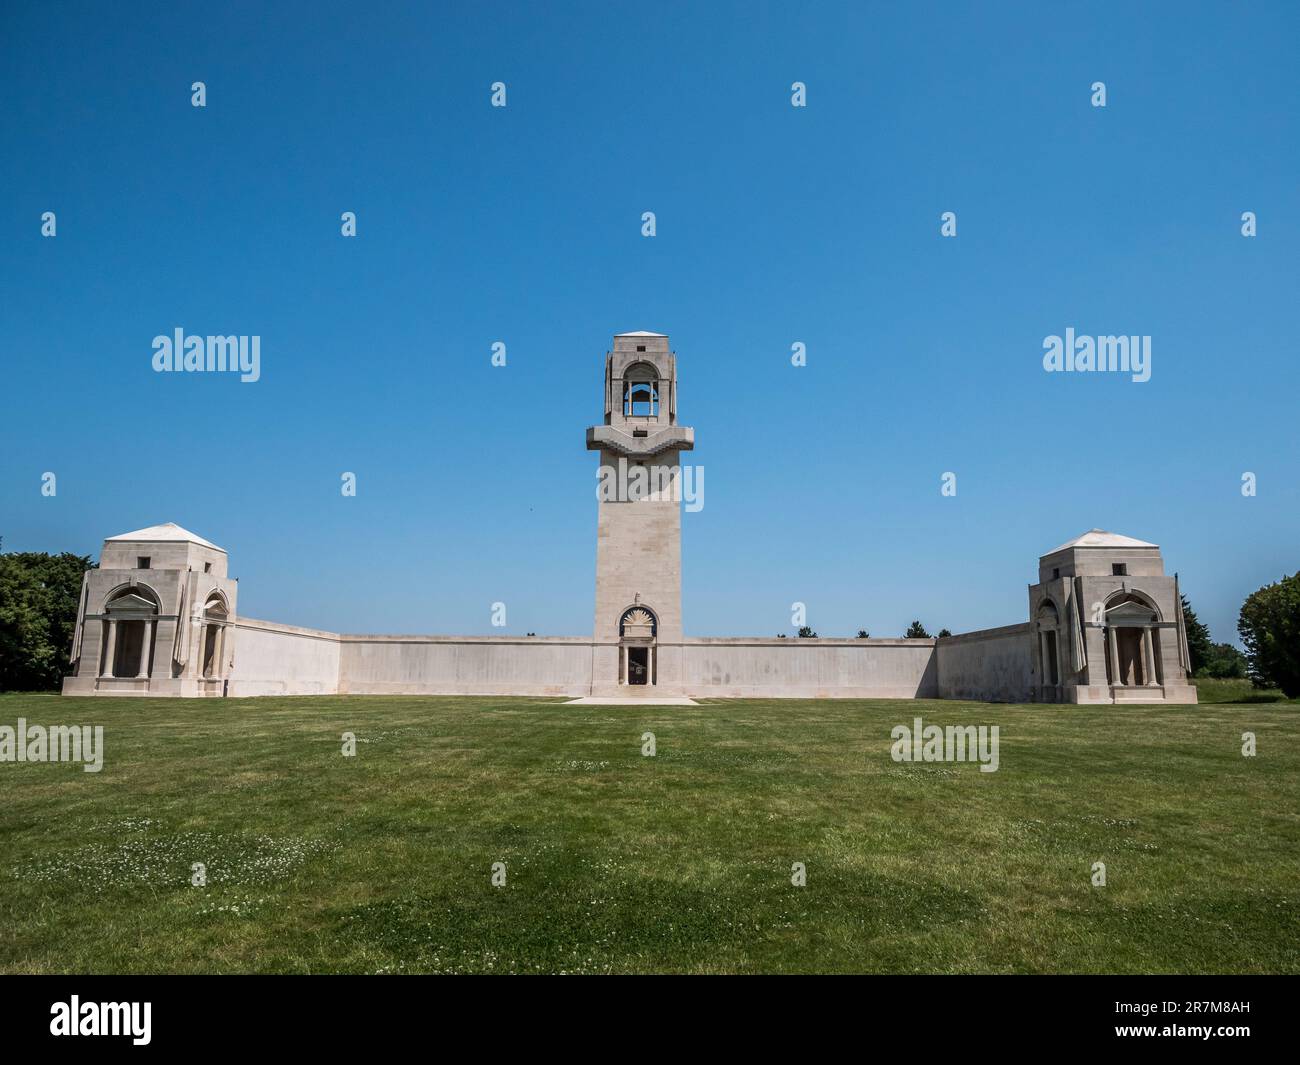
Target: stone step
<point x="641" y="700"/>
<point x="1138" y="695"/>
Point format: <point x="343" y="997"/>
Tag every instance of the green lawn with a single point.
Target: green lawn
<point x="618" y="862"/>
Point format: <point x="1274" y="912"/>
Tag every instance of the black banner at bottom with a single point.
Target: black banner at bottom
<point x="344" y="1013"/>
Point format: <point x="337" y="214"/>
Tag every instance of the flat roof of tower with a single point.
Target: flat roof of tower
<point x="168" y="532"/>
<point x="640" y="333"/>
<point x="1100" y="538"/>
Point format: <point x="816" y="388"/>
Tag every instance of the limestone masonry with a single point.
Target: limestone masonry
<point x="159" y="616"/>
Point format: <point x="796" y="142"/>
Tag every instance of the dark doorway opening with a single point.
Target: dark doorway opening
<point x="638" y="665"/>
<point x="1129" y="648"/>
<point x="130" y="639"/>
<point x="210" y="650"/>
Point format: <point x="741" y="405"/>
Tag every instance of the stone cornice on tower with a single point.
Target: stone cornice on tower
<point x="607" y="438"/>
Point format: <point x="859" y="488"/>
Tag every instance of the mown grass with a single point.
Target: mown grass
<point x="616" y="862"/>
<point x="1233" y="690"/>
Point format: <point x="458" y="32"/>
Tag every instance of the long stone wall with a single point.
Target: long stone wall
<point x="274" y="659"/>
<point x="465" y="665"/>
<point x="811" y="669"/>
<point x="991" y="665"/>
<point x="458" y="665"/>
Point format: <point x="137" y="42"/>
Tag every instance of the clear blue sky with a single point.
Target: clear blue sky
<point x="775" y="225"/>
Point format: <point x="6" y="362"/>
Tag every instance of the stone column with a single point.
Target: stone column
<point x="1148" y="658"/>
<point x="110" y="650"/>
<point x="146" y="645"/>
<point x="1112" y="640"/>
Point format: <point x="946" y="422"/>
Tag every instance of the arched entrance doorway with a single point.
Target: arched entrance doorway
<point x="1132" y="653"/>
<point x="130" y="624"/>
<point x="637" y="632"/>
<point x="216" y="616"/>
<point x="1049" y="651"/>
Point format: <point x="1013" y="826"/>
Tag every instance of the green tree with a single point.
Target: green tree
<point x="916" y="631"/>
<point x="863" y="634"/>
<point x="807" y="633"/>
<point x="944" y="632"/>
<point x="1269" y="625"/>
<point x="1224" y="661"/>
<point x="1198" y="638"/>
<point x="38" y="614"/>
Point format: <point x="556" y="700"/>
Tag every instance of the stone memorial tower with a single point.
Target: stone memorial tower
<point x="637" y="639"/>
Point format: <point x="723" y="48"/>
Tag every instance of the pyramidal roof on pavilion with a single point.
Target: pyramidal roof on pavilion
<point x="1100" y="538"/>
<point x="169" y="532"/>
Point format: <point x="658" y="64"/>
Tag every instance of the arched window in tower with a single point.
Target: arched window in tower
<point x="641" y="391"/>
<point x="638" y="622"/>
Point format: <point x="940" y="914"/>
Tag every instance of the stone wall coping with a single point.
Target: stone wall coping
<point x="567" y="641"/>
<point x="991" y="634"/>
<point x="800" y="641"/>
<point x="587" y="641"/>
<point x="240" y="622"/>
<point x="689" y="641"/>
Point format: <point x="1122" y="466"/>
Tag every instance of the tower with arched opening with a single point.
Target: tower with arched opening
<point x="637" y="640"/>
